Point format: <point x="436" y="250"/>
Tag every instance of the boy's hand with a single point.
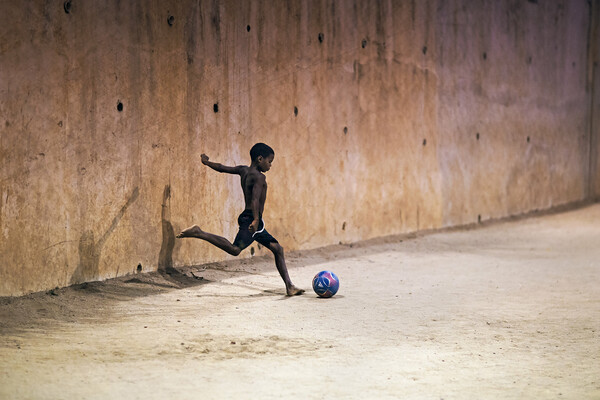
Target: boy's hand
<point x="204" y="158"/>
<point x="254" y="226"/>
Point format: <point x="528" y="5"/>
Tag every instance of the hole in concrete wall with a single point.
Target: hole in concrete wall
<point x="119" y="106"/>
<point x="477" y="136"/>
<point x="171" y="20"/>
<point x="60" y="123"/>
<point x="345" y="130"/>
<point x="364" y="43"/>
<point x="424" y="142"/>
<point x="529" y="60"/>
<point x="528" y="139"/>
<point x="295" y="111"/>
<point x="216" y="107"/>
<point x="248" y="28"/>
<point x="321" y="37"/>
<point x="484" y="55"/>
<point x="479" y="218"/>
<point x="424" y="49"/>
<point x="67" y="6"/>
<point x="344" y="226"/>
<point x="139" y="268"/>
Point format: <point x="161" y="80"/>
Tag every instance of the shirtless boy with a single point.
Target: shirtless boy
<point x="252" y="227"/>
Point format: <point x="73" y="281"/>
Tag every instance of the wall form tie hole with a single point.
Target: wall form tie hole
<point x="424" y="142"/>
<point x="364" y="43"/>
<point x="139" y="268"/>
<point x="477" y="136"/>
<point x="216" y="107"/>
<point x="248" y="28"/>
<point x="345" y="130"/>
<point x="119" y="106"/>
<point x="528" y="139"/>
<point x="321" y="37"/>
<point x="484" y="55"/>
<point x="171" y="20"/>
<point x="424" y="49"/>
<point x="67" y="6"/>
<point x="295" y="111"/>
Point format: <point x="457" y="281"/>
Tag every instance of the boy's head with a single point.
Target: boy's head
<point x="262" y="155"/>
<point x="260" y="149"/>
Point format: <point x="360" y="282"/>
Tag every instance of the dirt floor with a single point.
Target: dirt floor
<point x="507" y="310"/>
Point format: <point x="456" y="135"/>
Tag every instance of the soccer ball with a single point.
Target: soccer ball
<point x="325" y="284"/>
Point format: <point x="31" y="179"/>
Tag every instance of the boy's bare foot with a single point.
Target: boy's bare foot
<point x="294" y="291"/>
<point x="192" y="231"/>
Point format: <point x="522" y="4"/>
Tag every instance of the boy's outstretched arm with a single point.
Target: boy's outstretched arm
<point x="220" y="167"/>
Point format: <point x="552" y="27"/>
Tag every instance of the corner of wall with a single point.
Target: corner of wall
<point x="594" y="93"/>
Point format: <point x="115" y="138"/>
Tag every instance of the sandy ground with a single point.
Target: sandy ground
<point x="507" y="310"/>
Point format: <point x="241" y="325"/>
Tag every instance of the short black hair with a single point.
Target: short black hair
<point x="260" y="149"/>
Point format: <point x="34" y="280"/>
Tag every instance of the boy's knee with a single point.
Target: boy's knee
<point x="276" y="248"/>
<point x="235" y="251"/>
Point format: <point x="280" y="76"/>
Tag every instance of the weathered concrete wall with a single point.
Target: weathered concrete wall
<point x="594" y="95"/>
<point x="512" y="104"/>
<point x="386" y="117"/>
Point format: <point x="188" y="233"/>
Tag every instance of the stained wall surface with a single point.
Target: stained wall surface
<point x="386" y="117"/>
<point x="594" y="88"/>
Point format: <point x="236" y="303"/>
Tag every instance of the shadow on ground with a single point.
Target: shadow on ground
<point x="87" y="301"/>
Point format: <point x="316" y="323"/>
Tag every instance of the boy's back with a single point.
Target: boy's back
<point x="252" y="179"/>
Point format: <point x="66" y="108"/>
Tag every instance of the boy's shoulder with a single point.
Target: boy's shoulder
<point x="242" y="169"/>
<point x="255" y="174"/>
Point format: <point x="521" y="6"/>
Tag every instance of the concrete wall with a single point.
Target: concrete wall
<point x="512" y="104"/>
<point x="594" y="95"/>
<point x="386" y="117"/>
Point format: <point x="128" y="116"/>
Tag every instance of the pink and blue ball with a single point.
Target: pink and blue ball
<point x="325" y="284"/>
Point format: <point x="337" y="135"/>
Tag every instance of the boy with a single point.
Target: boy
<point x="252" y="227"/>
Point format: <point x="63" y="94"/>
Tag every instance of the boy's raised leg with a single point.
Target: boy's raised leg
<point x="282" y="268"/>
<point x="219" y="241"/>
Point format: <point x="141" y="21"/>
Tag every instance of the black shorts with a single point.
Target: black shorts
<point x="244" y="238"/>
